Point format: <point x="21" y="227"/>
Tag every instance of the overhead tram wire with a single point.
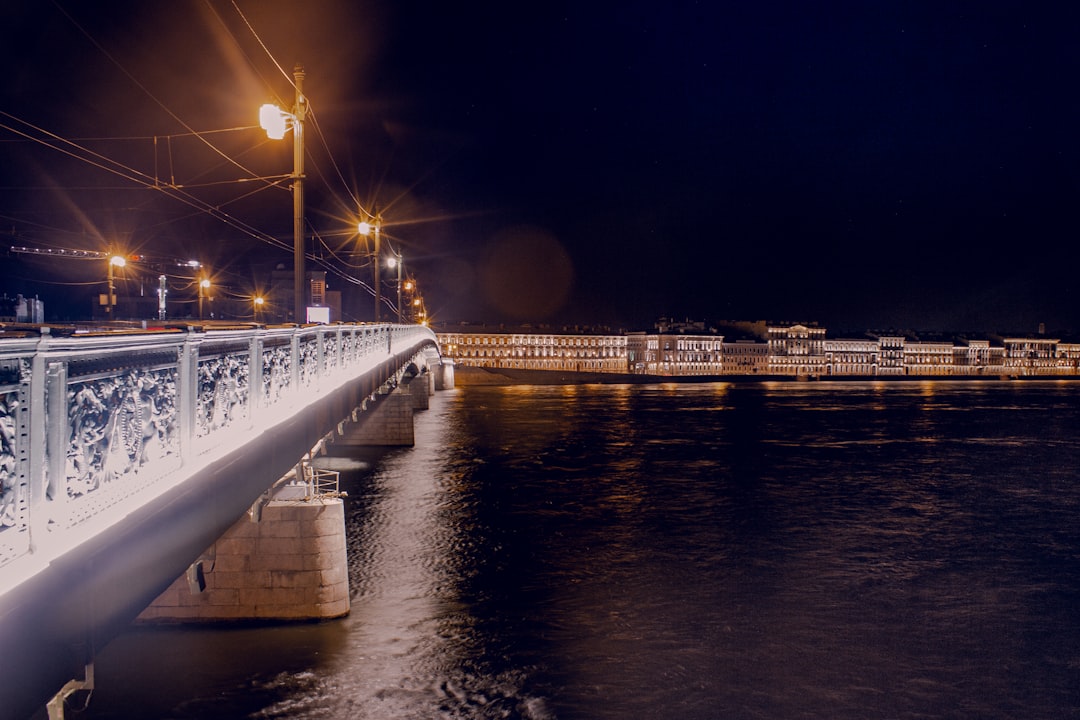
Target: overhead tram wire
<point x="153" y="97"/>
<point x="178" y="194"/>
<point x="291" y="82"/>
<point x="147" y="182"/>
<point x="194" y="202"/>
<point x="310" y="110"/>
<point x="213" y="211"/>
<point x="135" y="176"/>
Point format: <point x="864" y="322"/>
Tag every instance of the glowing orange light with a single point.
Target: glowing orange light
<point x="272" y="120"/>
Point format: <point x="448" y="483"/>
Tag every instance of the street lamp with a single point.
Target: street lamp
<point x="119" y="262"/>
<point x="396" y="261"/>
<point x="257" y="302"/>
<point x="162" y="293"/>
<point x="273" y="120"/>
<point x="418" y="310"/>
<point x="204" y="285"/>
<point x="365" y="228"/>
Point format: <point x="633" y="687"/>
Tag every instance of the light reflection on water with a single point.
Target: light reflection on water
<point x="838" y="550"/>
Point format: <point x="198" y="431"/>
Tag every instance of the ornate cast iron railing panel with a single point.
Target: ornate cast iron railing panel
<point x="88" y="422"/>
<point x="277" y="364"/>
<point x="309" y="360"/>
<point x="224" y="394"/>
<point x="14" y="449"/>
<point x="123" y="435"/>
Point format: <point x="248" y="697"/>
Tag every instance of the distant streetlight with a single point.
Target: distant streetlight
<point x="162" y="293"/>
<point x="396" y="261"/>
<point x="257" y="303"/>
<point x="366" y="228"/>
<point x="410" y="287"/>
<point x="274" y="121"/>
<point x="419" y="313"/>
<point x="204" y="285"/>
<point x="116" y="261"/>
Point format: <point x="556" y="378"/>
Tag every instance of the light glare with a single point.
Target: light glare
<point x="272" y="120"/>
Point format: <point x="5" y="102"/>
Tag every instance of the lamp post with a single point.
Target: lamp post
<point x="410" y="287"/>
<point x="396" y="261"/>
<point x="272" y="120"/>
<point x="162" y="292"/>
<point x="365" y="229"/>
<point x="204" y="285"/>
<point x="114" y="261"/>
<point x="419" y="314"/>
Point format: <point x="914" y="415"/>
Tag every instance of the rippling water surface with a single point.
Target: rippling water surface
<point x="802" y="550"/>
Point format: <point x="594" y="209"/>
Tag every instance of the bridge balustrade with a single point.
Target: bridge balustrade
<point x="88" y="421"/>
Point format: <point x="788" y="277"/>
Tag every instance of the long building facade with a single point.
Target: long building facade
<point x="795" y="351"/>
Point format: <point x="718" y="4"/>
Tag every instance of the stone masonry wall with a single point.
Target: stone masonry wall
<point x="291" y="565"/>
<point x="389" y="423"/>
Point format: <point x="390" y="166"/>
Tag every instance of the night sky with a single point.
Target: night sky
<point x="906" y="165"/>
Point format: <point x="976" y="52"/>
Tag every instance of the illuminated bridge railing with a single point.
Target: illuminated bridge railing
<point x="88" y="422"/>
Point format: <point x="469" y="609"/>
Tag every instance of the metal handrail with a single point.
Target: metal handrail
<point x="89" y="421"/>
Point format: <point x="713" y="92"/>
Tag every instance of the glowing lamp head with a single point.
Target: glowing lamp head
<point x="391" y="262"/>
<point x="204" y="283"/>
<point x="259" y="301"/>
<point x="272" y="120"/>
<point x="364" y="228"/>
<point x="117" y="261"/>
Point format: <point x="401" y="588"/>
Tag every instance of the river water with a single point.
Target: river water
<point x="791" y="550"/>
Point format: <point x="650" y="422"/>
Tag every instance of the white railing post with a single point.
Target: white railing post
<point x="255" y="375"/>
<point x="320" y="357"/>
<point x="57" y="440"/>
<point x="187" y="395"/>
<point x="296" y="360"/>
<point x="38" y="470"/>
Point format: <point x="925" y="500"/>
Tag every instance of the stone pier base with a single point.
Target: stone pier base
<point x="444" y="375"/>
<point x="389" y="423"/>
<point x="291" y="565"/>
<point x="421" y="388"/>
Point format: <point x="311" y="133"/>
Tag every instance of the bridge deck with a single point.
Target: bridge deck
<point x="125" y="455"/>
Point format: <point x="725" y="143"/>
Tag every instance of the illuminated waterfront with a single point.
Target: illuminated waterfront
<point x="696" y="551"/>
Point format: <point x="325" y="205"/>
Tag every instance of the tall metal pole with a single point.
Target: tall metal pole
<point x="109" y="305"/>
<point x="298" y="196"/>
<point x="378" y="279"/>
<point x="399" y="262"/>
<point x="162" y="292"/>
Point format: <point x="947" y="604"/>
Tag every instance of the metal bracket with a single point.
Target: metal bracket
<point x="56" y="706"/>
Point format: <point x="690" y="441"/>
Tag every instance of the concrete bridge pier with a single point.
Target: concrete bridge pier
<point x="283" y="561"/>
<point x="444" y="374"/>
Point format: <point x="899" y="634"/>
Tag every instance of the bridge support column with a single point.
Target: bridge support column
<point x="444" y="375"/>
<point x="290" y="565"/>
<point x="387" y="423"/>
<point x="420" y="390"/>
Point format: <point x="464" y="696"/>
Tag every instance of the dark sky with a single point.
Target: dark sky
<point x="884" y="164"/>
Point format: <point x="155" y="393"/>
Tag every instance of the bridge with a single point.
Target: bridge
<point x="125" y="455"/>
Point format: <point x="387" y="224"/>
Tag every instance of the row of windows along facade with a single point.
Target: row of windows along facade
<point x="795" y="350"/>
